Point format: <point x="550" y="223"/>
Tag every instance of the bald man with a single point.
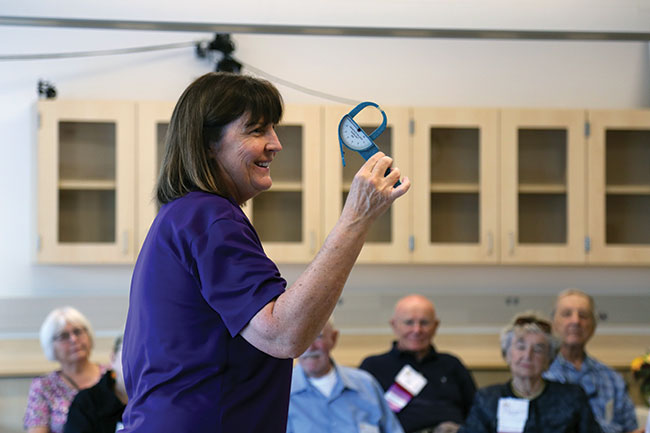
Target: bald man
<point x="429" y="391"/>
<point x="574" y="322"/>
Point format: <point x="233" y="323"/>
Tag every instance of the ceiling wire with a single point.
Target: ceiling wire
<point x="298" y="87"/>
<point x="149" y="48"/>
<point x="96" y="53"/>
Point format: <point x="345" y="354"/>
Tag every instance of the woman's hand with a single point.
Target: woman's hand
<point x="371" y="194"/>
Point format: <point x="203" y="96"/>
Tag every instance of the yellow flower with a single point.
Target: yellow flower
<point x="638" y="362"/>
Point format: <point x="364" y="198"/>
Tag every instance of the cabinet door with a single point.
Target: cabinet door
<point x="619" y="187"/>
<point x="543" y="186"/>
<point x="287" y="216"/>
<point x="85" y="188"/>
<point x="388" y="238"/>
<point x="455" y="200"/>
<point x="153" y="120"/>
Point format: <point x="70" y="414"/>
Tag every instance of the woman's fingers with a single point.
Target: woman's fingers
<point x="373" y="191"/>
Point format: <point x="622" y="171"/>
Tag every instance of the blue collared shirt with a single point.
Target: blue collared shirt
<point x="605" y="389"/>
<point x="356" y="405"/>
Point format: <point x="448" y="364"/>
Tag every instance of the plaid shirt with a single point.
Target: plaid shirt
<point x="606" y="390"/>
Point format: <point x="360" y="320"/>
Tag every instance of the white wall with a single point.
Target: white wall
<point x="579" y="15"/>
<point x="397" y="71"/>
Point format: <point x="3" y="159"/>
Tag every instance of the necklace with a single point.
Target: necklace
<point x="69" y="379"/>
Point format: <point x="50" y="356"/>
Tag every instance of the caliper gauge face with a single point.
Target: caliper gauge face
<point x="355" y="138"/>
<point x="352" y="136"/>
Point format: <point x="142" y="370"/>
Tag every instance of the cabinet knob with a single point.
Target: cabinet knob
<point x="490" y="243"/>
<point x="511" y="243"/>
<point x="312" y="242"/>
<point x="125" y="242"/>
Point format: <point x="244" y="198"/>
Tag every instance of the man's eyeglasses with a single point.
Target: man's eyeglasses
<point x="526" y="320"/>
<point x="66" y="335"/>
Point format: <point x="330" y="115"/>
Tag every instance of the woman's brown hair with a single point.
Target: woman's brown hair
<point x="204" y="109"/>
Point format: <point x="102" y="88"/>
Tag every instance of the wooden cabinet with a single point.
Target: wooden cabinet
<point x="619" y="187"/>
<point x="455" y="180"/>
<point x="543" y="175"/>
<point x="512" y="186"/>
<point x="287" y="217"/>
<point x="388" y="238"/>
<point x="153" y="121"/>
<point x="86" y="152"/>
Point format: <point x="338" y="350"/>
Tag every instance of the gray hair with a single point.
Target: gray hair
<point x="529" y="322"/>
<point x="577" y="292"/>
<point x="55" y="322"/>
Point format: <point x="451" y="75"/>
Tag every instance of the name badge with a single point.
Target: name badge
<point x="408" y="384"/>
<point x="512" y="415"/>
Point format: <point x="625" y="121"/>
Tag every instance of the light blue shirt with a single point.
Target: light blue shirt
<point x="356" y="405"/>
<point x="606" y="390"/>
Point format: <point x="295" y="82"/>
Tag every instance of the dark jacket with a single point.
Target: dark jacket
<point x="560" y="408"/>
<point x="96" y="409"/>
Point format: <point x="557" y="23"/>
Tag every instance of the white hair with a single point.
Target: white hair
<point x="532" y="326"/>
<point x="55" y="322"/>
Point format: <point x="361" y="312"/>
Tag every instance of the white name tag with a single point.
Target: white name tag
<point x="409" y="379"/>
<point x="408" y="384"/>
<point x="512" y="415"/>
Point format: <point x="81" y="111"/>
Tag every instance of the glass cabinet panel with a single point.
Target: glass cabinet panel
<point x="455" y="173"/>
<point x="86" y="166"/>
<point x="277" y="213"/>
<point x="619" y="186"/>
<point x="87" y="182"/>
<point x="627" y="185"/>
<point x="387" y="240"/>
<point x="543" y="171"/>
<point x="381" y="230"/>
<point x="454" y="208"/>
<point x="542" y="168"/>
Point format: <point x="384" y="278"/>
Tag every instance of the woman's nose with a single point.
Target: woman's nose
<point x="274" y="142"/>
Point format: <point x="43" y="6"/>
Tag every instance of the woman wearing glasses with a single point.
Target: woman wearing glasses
<point x="528" y="403"/>
<point x="67" y="338"/>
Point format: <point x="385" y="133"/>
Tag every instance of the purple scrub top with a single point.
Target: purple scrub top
<point x="199" y="279"/>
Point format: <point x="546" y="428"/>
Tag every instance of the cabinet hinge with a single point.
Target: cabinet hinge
<point x="411" y="243"/>
<point x="411" y="126"/>
<point x="38" y="120"/>
<point x="587" y="129"/>
<point x="39" y="243"/>
<point x="587" y="244"/>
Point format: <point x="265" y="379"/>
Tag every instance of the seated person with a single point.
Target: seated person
<point x="67" y="338"/>
<point x="326" y="397"/>
<point x="99" y="409"/>
<point x="574" y="322"/>
<point x="528" y="403"/>
<point x="446" y="388"/>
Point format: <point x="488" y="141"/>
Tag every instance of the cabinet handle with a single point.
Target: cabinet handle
<point x="511" y="242"/>
<point x="125" y="242"/>
<point x="490" y="243"/>
<point x="312" y="242"/>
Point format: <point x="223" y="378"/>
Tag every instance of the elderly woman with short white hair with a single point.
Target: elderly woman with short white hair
<point x="67" y="338"/>
<point x="528" y="403"/>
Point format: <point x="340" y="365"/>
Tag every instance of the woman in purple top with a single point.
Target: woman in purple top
<point x="212" y="327"/>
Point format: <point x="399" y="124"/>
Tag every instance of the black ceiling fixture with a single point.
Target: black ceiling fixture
<point x="224" y="45"/>
<point x="46" y="89"/>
